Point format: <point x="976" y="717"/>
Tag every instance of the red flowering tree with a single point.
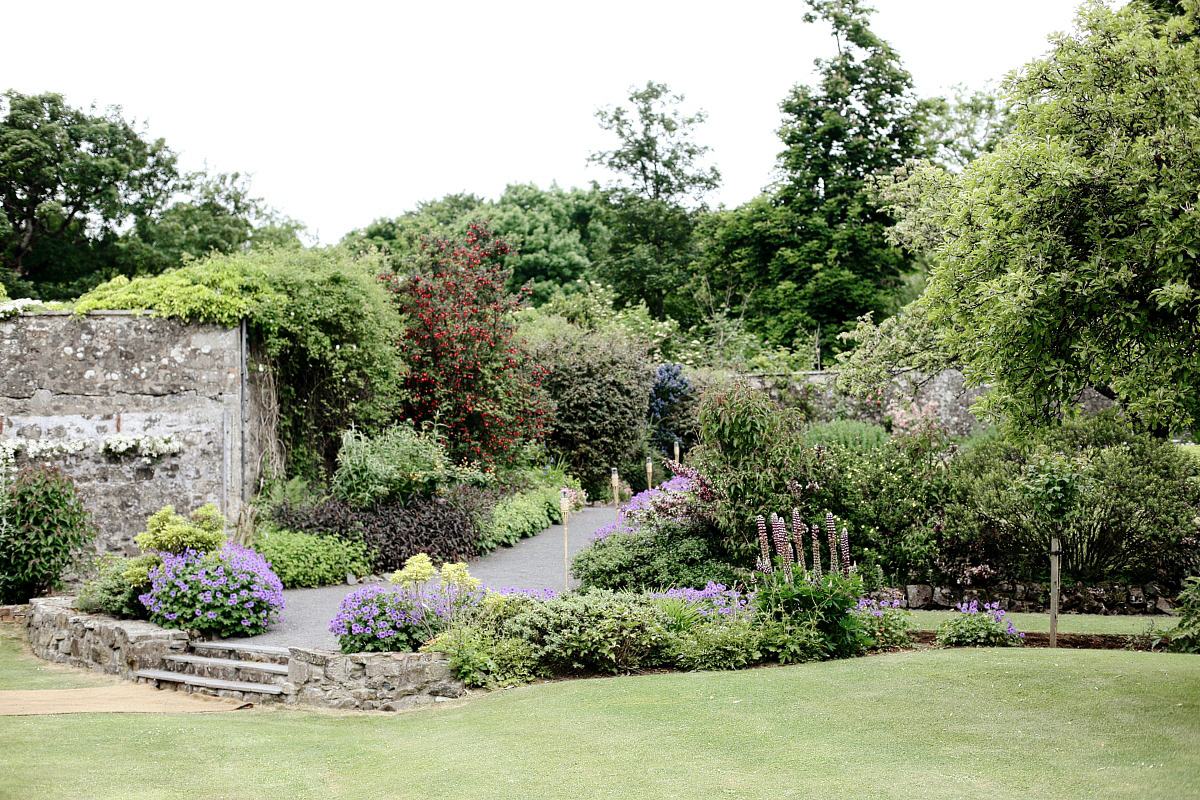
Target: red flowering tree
<point x="468" y="375"/>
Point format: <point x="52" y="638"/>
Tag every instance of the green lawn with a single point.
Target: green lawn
<point x="1067" y="623"/>
<point x="19" y="669"/>
<point x="1008" y="723"/>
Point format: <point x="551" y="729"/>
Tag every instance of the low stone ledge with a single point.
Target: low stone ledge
<point x="59" y="633"/>
<point x="368" y="681"/>
<point x="1076" y="598"/>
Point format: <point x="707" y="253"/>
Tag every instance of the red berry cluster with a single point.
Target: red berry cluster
<point x="467" y="372"/>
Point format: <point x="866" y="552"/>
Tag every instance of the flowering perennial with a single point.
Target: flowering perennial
<point x="229" y="592"/>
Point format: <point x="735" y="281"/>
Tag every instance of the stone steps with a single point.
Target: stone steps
<point x="229" y="669"/>
<point x="197" y="684"/>
<point x="260" y="653"/>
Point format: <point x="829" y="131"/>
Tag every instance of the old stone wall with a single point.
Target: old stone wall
<point x="70" y="383"/>
<point x="57" y="632"/>
<point x="1076" y="598"/>
<point x="368" y="681"/>
<point x="945" y="395"/>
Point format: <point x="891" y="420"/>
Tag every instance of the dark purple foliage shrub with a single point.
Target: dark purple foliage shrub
<point x="446" y="528"/>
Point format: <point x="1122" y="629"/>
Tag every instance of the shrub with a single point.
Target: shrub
<point x="595" y="632"/>
<point x="468" y="374"/>
<point x="665" y="556"/>
<point x="481" y="653"/>
<point x="43" y="526"/>
<point x="892" y="496"/>
<point x="793" y="640"/>
<point x="108" y="592"/>
<point x="974" y="627"/>
<point x="755" y="459"/>
<point x="661" y="540"/>
<point x="672" y="411"/>
<point x="390" y="467"/>
<point x="885" y="622"/>
<point x="1125" y="506"/>
<point x="228" y="592"/>
<point x="302" y="559"/>
<point x="715" y="642"/>
<point x="1185" y="637"/>
<point x="600" y="384"/>
<point x="520" y="515"/>
<point x="446" y="527"/>
<point x="167" y="532"/>
<point x="847" y="434"/>
<point x="202" y="531"/>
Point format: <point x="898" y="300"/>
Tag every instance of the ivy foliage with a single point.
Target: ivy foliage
<point x="323" y="322"/>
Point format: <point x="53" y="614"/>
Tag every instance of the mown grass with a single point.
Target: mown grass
<point x="1018" y="723"/>
<point x="19" y="669"/>
<point x="1067" y="623"/>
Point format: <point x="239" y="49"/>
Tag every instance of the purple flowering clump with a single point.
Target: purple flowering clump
<point x="229" y="592"/>
<point x="714" y="598"/>
<point x="398" y="619"/>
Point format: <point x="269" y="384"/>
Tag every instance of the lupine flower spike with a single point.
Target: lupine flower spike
<point x="831" y="532"/>
<point x="764" y="545"/>
<point x="846" y="568"/>
<point x="798" y="529"/>
<point x="816" y="570"/>
<point x="782" y="545"/>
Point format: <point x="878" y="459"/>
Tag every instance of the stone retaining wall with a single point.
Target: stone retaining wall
<point x="369" y="681"/>
<point x="57" y="632"/>
<point x="1109" y="599"/>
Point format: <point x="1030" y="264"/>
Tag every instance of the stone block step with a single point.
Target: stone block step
<point x="222" y="688"/>
<point x="260" y="653"/>
<point x="231" y="669"/>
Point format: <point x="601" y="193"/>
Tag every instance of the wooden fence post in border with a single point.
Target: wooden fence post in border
<point x="649" y="473"/>
<point x="676" y="451"/>
<point x="564" y="504"/>
<point x="616" y="489"/>
<point x="1055" y="559"/>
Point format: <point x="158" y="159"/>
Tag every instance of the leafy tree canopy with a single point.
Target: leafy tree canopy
<point x="86" y="195"/>
<point x="652" y="204"/>
<point x="811" y="254"/>
<point x="1069" y="256"/>
<point x="552" y="233"/>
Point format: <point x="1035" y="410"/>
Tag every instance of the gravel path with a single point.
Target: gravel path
<point x="533" y="563"/>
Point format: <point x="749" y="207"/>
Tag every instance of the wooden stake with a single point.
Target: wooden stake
<point x="676" y="451"/>
<point x="1055" y="559"/>
<point x="564" y="504"/>
<point x="649" y="473"/>
<point x="616" y="487"/>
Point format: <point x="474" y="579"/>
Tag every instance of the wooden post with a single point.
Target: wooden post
<point x="616" y="489"/>
<point x="1055" y="560"/>
<point x="564" y="504"/>
<point x="649" y="473"/>
<point x="676" y="451"/>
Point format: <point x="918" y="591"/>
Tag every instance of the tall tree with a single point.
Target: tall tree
<point x="71" y="177"/>
<point x="812" y="254"/>
<point x="653" y="204"/>
<point x="1071" y="256"/>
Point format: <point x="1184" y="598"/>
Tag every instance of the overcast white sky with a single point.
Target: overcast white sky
<point x="344" y="112"/>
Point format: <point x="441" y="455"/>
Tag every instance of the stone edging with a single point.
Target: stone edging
<point x="368" y="681"/>
<point x="58" y="632"/>
<point x="365" y="681"/>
